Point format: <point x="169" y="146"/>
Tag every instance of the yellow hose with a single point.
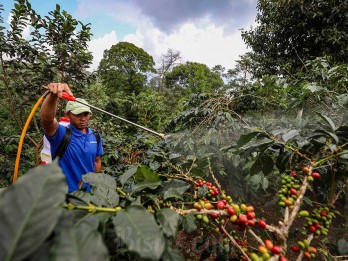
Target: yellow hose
<point x="24" y="131"/>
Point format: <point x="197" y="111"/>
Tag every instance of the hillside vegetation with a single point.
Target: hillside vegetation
<point x="253" y="164"/>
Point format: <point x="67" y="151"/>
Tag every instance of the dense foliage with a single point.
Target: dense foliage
<point x="253" y="166"/>
<point x="124" y="68"/>
<point x="291" y="32"/>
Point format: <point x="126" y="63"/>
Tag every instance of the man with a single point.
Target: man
<point x="83" y="153"/>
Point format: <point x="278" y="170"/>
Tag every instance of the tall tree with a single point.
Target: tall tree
<point x="168" y="61"/>
<point x="291" y="32"/>
<point x="55" y="50"/>
<point x="193" y="78"/>
<point x="125" y="67"/>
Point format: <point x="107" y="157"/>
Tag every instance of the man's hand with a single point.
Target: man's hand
<point x="59" y="88"/>
<point x="49" y="107"/>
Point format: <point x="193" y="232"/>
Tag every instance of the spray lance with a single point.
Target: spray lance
<point x="67" y="97"/>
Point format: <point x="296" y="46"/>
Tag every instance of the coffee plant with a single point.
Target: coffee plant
<point x="161" y="212"/>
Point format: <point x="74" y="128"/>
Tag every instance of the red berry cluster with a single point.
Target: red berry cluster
<point x="266" y="251"/>
<point x="309" y="252"/>
<point x="319" y="221"/>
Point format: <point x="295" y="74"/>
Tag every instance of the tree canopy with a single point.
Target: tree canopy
<point x="125" y="67"/>
<point x="291" y="32"/>
<point x="193" y="77"/>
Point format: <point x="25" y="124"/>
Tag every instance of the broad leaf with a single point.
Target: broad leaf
<point x="289" y="135"/>
<point x="128" y="174"/>
<point x="82" y="242"/>
<point x="298" y="119"/>
<point x="145" y="184"/>
<point x="254" y="145"/>
<point x="256" y="167"/>
<point x="145" y="173"/>
<point x="327" y="134"/>
<point x="255" y="180"/>
<point x="169" y="221"/>
<point x="245" y="138"/>
<point x="172" y="193"/>
<point x="265" y="183"/>
<point x="29" y="211"/>
<point x="202" y="191"/>
<point x="105" y="197"/>
<point x="171" y="254"/>
<point x="175" y="187"/>
<point x="103" y="188"/>
<point x="42" y="253"/>
<point x="328" y="121"/>
<point x="344" y="154"/>
<point x="137" y="228"/>
<point x="189" y="223"/>
<point x="174" y="156"/>
<point x="267" y="164"/>
<point x="313" y="88"/>
<point x="342" y="245"/>
<point x="100" y="180"/>
<point x="342" y="99"/>
<point x="80" y="197"/>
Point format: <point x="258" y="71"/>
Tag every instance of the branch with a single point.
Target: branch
<point x="234" y="242"/>
<point x="300" y="256"/>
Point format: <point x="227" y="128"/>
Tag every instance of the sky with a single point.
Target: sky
<point x="203" y="31"/>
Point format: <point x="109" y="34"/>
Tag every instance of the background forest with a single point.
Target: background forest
<point x="244" y="129"/>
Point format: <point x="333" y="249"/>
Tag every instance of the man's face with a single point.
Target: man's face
<point x="79" y="121"/>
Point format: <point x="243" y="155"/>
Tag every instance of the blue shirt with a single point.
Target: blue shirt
<point x="79" y="156"/>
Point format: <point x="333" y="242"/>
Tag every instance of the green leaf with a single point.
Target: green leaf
<point x="202" y="191"/>
<point x="100" y="180"/>
<point x="171" y="254"/>
<point x="256" y="167"/>
<point x="57" y="8"/>
<point x="128" y="174"/>
<point x="298" y="119"/>
<point x="105" y="197"/>
<point x="169" y="220"/>
<point x="189" y="223"/>
<point x="245" y="138"/>
<point x="145" y="184"/>
<point x="79" y="197"/>
<point x="259" y="143"/>
<point x="255" y="180"/>
<point x="329" y="134"/>
<point x="342" y="245"/>
<point x="103" y="188"/>
<point x="328" y="121"/>
<point x="313" y="88"/>
<point x="289" y="135"/>
<point x="265" y="183"/>
<point x="29" y="211"/>
<point x="267" y="164"/>
<point x="145" y="173"/>
<point x="138" y="230"/>
<point x="172" y="193"/>
<point x="342" y="99"/>
<point x="174" y="156"/>
<point x="180" y="186"/>
<point x="344" y="154"/>
<point x="81" y="242"/>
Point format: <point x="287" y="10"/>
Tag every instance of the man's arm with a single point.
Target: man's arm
<point x="49" y="107"/>
<point x="97" y="164"/>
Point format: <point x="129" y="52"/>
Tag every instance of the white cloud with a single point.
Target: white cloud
<point x="203" y="43"/>
<point x="206" y="44"/>
<point x="98" y="45"/>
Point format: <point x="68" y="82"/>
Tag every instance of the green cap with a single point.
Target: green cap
<point x="76" y="107"/>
